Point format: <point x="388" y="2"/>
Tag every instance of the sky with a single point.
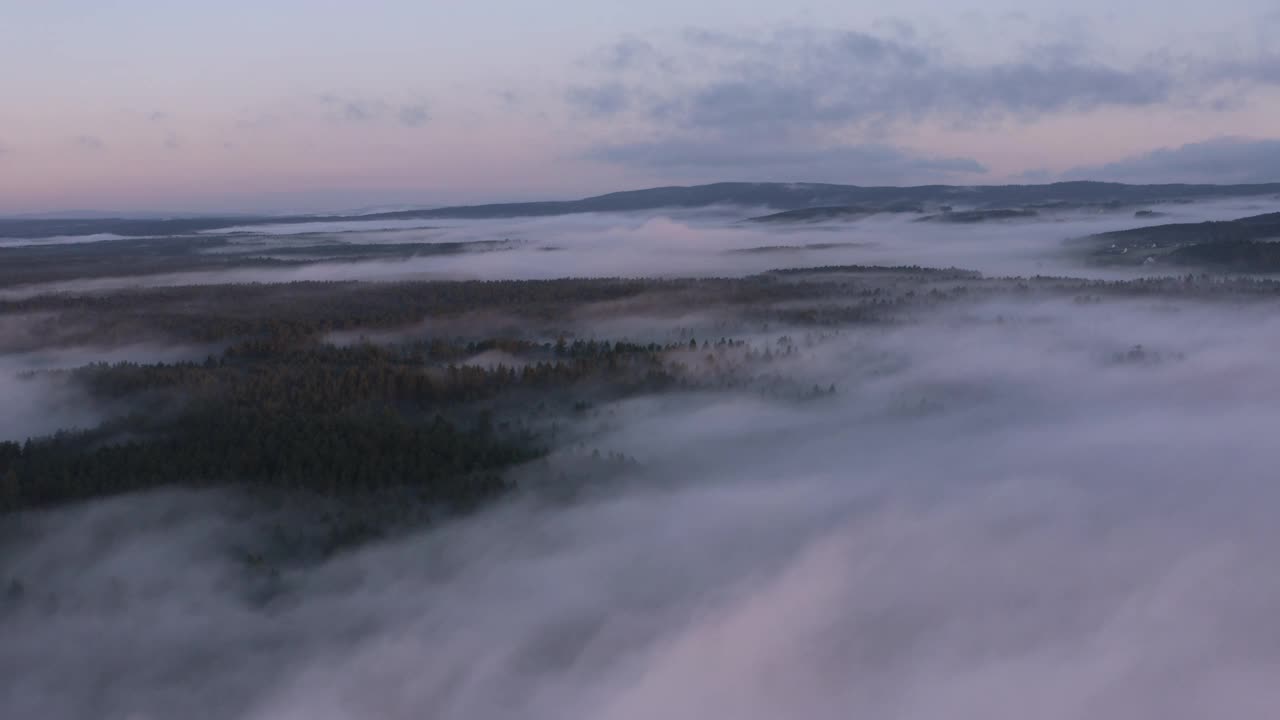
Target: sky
<point x="293" y="105"/>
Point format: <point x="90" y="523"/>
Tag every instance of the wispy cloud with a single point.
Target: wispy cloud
<point x="350" y="110"/>
<point x="90" y="143"/>
<point x="365" y="110"/>
<point x="601" y="100"/>
<point x="413" y="115"/>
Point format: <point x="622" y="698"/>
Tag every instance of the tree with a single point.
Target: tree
<point x="10" y="490"/>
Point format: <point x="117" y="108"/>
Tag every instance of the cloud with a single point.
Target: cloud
<point x="1219" y="160"/>
<point x="804" y="80"/>
<point x="413" y="115"/>
<point x="90" y="143"/>
<point x="354" y="111"/>
<point x="819" y="89"/>
<point x="158" y="116"/>
<point x="835" y="163"/>
<point x="628" y="54"/>
<point x="1262" y="71"/>
<point x="600" y="100"/>
<point x="258" y="120"/>
<point x="363" y="110"/>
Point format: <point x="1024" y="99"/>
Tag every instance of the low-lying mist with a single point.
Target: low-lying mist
<point x="1007" y="509"/>
<point x="37" y="402"/>
<point x="674" y="244"/>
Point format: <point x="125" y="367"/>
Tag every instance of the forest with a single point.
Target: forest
<point x="424" y="392"/>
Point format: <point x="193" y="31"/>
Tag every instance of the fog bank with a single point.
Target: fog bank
<point x="682" y="244"/>
<point x="1007" y="510"/>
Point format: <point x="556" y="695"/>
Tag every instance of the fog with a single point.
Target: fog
<point x="38" y="402"/>
<point x="1005" y="511"/>
<point x="35" y="406"/>
<point x="60" y="240"/>
<point x="680" y="244"/>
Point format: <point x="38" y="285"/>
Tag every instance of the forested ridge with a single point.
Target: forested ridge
<point x="328" y="419"/>
<point x="342" y="420"/>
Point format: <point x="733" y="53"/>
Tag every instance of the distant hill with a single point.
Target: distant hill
<point x="778" y="196"/>
<point x="816" y="214"/>
<point x="836" y="212"/>
<point x="977" y="216"/>
<point x="797" y="196"/>
<point x="1257" y="227"/>
<point x="1245" y="245"/>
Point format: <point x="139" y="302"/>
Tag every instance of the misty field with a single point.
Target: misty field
<point x="643" y="465"/>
